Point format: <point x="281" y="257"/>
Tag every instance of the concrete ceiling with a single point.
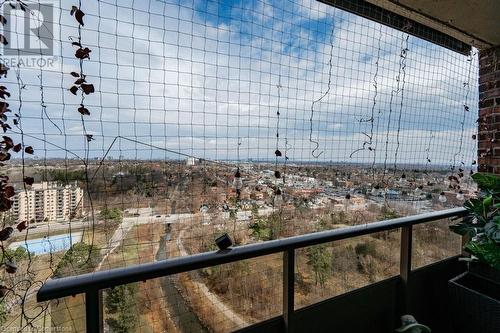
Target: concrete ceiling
<point x="475" y="22"/>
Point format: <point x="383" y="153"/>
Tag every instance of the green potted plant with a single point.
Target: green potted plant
<point x="475" y="295"/>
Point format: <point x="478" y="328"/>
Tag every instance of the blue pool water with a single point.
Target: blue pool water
<point x="49" y="244"/>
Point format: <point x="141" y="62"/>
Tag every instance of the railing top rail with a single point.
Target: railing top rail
<point x="73" y="285"/>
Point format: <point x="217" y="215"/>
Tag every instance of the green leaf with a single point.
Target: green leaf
<point x="476" y="208"/>
<point x="487" y="202"/>
<point x="488" y="252"/>
<point x="464" y="229"/>
<point x="487" y="181"/>
<point x="492" y="230"/>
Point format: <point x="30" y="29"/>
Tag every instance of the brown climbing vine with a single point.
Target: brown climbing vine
<point x="9" y="287"/>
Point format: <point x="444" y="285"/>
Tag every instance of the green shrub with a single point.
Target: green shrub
<point x="111" y="214"/>
<point x="16" y="255"/>
<point x="388" y="213"/>
<point x="319" y="258"/>
<point x="120" y="303"/>
<point x="482" y="224"/>
<point x="366" y="248"/>
<point x="80" y="258"/>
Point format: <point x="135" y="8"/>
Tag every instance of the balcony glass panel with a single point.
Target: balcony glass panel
<point x="433" y="242"/>
<point x="331" y="269"/>
<point x="217" y="299"/>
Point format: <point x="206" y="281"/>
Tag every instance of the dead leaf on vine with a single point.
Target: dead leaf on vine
<point x="4" y="156"/>
<point x="29" y="150"/>
<point x="29" y="180"/>
<point x="4" y="107"/>
<point x="5" y="233"/>
<point x="3" y="70"/>
<point x="3" y="291"/>
<point x="4" y="93"/>
<point x="5" y="204"/>
<point x="3" y="40"/>
<point x="79" y="16"/>
<point x="84" y="111"/>
<point x="83" y="53"/>
<point x="8" y="142"/>
<point x="21" y="226"/>
<point x="10" y="267"/>
<point x="9" y="191"/>
<point x="87" y="88"/>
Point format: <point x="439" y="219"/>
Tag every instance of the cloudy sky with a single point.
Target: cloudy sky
<point x="197" y="77"/>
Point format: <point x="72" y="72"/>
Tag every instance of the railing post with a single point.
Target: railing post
<point x="93" y="310"/>
<point x="405" y="265"/>
<point x="465" y="240"/>
<point x="288" y="289"/>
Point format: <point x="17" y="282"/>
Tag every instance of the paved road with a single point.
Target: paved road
<point x="146" y="216"/>
<point x="51" y="227"/>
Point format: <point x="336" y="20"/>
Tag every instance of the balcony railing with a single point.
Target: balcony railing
<point x="92" y="284"/>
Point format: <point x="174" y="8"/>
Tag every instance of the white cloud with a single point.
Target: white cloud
<point x="193" y="83"/>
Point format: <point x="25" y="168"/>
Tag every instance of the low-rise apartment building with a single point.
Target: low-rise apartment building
<point x="47" y="201"/>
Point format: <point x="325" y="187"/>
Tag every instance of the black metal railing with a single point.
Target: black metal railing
<point x="92" y="284"/>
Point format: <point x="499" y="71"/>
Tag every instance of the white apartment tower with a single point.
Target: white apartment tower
<point x="47" y="201"/>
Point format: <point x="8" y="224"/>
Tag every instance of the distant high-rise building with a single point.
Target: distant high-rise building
<point x="47" y="201"/>
<point x="190" y="161"/>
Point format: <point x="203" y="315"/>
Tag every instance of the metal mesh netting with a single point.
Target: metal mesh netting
<point x="157" y="126"/>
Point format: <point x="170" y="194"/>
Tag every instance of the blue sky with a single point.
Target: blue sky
<point x="194" y="76"/>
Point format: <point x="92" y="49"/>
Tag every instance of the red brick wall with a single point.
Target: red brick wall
<point x="489" y="111"/>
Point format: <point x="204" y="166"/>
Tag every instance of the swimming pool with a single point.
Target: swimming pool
<point x="49" y="244"/>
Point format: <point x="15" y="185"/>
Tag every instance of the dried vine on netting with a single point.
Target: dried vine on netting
<point x="466" y="105"/>
<point x="83" y="87"/>
<point x="371" y="120"/>
<point x="455" y="178"/>
<point x="237" y="175"/>
<point x="428" y="152"/>
<point x="329" y="86"/>
<point x="15" y="287"/>
<point x="277" y="153"/>
<point x="400" y="83"/>
<point x="402" y="77"/>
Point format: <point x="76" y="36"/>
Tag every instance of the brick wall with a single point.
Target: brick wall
<point x="489" y="111"/>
